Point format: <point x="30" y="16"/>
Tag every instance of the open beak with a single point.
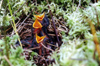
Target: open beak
<point x="39" y="17"/>
<point x="39" y="39"/>
<point x="37" y="24"/>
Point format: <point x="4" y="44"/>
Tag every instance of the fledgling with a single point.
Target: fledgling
<point x="43" y="19"/>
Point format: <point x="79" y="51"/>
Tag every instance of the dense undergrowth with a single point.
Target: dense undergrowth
<point x="78" y="47"/>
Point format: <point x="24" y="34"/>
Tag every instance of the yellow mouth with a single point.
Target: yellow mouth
<point x="39" y="39"/>
<point x="37" y="24"/>
<point x="39" y="17"/>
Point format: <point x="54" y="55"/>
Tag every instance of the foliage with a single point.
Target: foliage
<point x="76" y="52"/>
<point x="92" y="11"/>
<point x="9" y="54"/>
<point x="15" y="54"/>
<point x="77" y="48"/>
<point x="76" y="24"/>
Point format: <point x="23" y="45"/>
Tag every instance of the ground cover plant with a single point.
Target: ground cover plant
<point x="49" y="33"/>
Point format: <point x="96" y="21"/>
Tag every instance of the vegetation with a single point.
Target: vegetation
<point x="78" y="29"/>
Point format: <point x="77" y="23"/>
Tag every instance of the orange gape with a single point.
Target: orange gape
<point x="39" y="17"/>
<point x="39" y="39"/>
<point x="37" y="24"/>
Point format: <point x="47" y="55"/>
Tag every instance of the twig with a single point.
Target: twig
<point x="19" y="28"/>
<point x="46" y="47"/>
<point x="24" y="21"/>
<point x="7" y="60"/>
<point x="42" y="57"/>
<point x="53" y="23"/>
<point x="17" y="24"/>
<point x="52" y="45"/>
<point x="34" y="48"/>
<point x="55" y="29"/>
<point x="17" y="11"/>
<point x="8" y="28"/>
<point x="27" y="50"/>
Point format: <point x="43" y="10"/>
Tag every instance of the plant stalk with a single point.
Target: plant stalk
<point x="13" y="24"/>
<point x="96" y="41"/>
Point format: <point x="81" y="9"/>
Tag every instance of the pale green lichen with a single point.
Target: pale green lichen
<point x="76" y="53"/>
<point x="76" y="24"/>
<point x="91" y="12"/>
